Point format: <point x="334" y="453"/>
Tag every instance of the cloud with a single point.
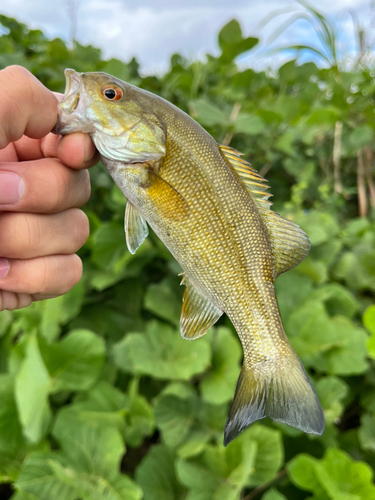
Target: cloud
<point x="152" y="30"/>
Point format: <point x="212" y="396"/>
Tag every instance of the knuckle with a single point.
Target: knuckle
<point x="16" y="71"/>
<point x="45" y="275"/>
<point x="82" y="228"/>
<point x="21" y="232"/>
<point x="10" y="232"/>
<point x="59" y="191"/>
<point x="84" y="187"/>
<point x="77" y="226"/>
<point x="74" y="275"/>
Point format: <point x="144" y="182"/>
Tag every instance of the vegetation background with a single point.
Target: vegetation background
<point x="100" y="396"/>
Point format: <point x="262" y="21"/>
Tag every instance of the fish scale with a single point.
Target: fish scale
<point x="210" y="208"/>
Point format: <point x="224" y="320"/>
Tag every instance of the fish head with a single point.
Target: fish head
<point x="122" y="127"/>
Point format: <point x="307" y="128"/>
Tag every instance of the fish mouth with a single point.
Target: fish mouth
<point x="67" y="122"/>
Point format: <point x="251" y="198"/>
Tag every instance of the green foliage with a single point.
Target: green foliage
<point x="100" y="395"/>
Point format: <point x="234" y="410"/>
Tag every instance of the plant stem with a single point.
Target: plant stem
<point x="264" y="486"/>
<point x="337" y="158"/>
<point x="361" y="187"/>
<point x="233" y="117"/>
<point x="369" y="160"/>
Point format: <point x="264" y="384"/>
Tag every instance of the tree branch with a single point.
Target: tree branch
<point x="259" y="489"/>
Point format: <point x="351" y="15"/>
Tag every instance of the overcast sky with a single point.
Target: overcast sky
<point x="152" y="30"/>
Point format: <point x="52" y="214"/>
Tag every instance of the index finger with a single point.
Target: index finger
<point x="27" y="107"/>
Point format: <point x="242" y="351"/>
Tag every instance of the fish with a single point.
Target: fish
<point x="211" y="209"/>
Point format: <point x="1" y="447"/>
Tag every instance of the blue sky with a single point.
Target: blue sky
<point x="152" y="30"/>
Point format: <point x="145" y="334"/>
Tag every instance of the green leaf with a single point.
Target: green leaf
<point x="76" y="361"/>
<point x="230" y="34"/>
<point x="301" y="471"/>
<point x="269" y="456"/>
<point x="10" y="428"/>
<point x="335" y="345"/>
<point x="109" y="247"/>
<point x="32" y="387"/>
<point x="194" y="444"/>
<point x="89" y="448"/>
<point x="208" y="114"/>
<point x="314" y="269"/>
<point x="50" y="476"/>
<point x="286" y="143"/>
<point x="41" y="476"/>
<point x="337" y="299"/>
<point x="219" y="384"/>
<point x="369" y="319"/>
<point x="174" y="417"/>
<point x="221" y="473"/>
<point x="161" y="300"/>
<point x="369" y="323"/>
<point x="350" y="357"/>
<point x="57" y="312"/>
<point x="273" y="494"/>
<point x="140" y="418"/>
<point x="162" y="353"/>
<point x="360" y="136"/>
<point x="102" y="405"/>
<point x="156" y="475"/>
<point x="319" y="226"/>
<point x="292" y="290"/>
<point x="323" y="116"/>
<point x="337" y="475"/>
<point x="231" y="42"/>
<point x="331" y="392"/>
<point x="249" y="124"/>
<point x="366" y="433"/>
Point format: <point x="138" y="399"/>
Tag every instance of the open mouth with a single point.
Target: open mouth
<point x="69" y="103"/>
<point x="73" y="90"/>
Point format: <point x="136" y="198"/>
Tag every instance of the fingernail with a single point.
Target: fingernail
<point x="89" y="149"/>
<point x="12" y="187"/>
<point x="4" y="267"/>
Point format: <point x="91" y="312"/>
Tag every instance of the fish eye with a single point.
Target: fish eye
<point x="112" y="93"/>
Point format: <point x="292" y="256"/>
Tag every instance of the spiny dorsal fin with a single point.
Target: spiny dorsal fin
<point x="198" y="313"/>
<point x="254" y="182"/>
<point x="136" y="229"/>
<point x="290" y="245"/>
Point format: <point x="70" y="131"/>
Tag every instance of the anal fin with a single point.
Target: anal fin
<point x="198" y="314"/>
<point x="284" y="394"/>
<point x="136" y="230"/>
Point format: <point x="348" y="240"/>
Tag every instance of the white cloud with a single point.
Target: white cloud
<point x="152" y="30"/>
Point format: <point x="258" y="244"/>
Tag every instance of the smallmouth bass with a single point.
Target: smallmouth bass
<point x="210" y="208"/>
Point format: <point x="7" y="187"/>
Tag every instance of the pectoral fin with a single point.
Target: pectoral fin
<point x="198" y="314"/>
<point x="136" y="229"/>
<point x="167" y="200"/>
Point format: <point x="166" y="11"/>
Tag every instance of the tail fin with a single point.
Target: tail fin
<point x="284" y="394"/>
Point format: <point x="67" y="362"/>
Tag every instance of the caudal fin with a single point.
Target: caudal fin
<point x="285" y="395"/>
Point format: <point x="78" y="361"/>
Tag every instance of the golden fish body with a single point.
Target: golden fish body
<point x="211" y="211"/>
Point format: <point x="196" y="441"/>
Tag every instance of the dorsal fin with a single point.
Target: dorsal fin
<point x="290" y="245"/>
<point x="254" y="182"/>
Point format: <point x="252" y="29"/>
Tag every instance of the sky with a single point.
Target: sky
<point x="152" y="30"/>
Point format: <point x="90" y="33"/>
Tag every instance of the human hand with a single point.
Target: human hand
<point x="43" y="179"/>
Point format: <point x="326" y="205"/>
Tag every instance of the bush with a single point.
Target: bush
<point x="102" y="398"/>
